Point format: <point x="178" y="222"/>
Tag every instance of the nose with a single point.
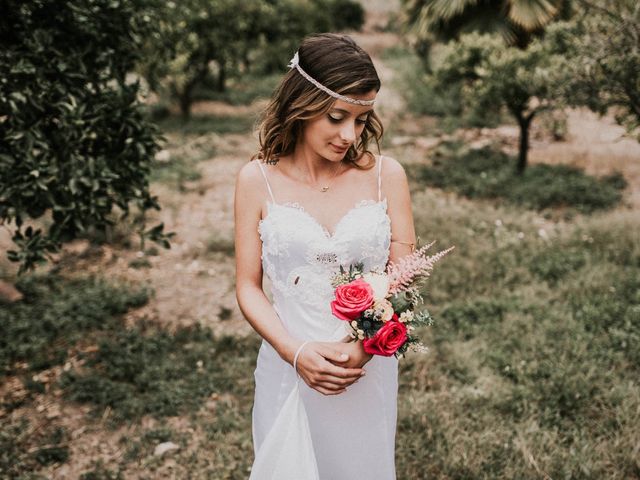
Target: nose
<point x="348" y="132"/>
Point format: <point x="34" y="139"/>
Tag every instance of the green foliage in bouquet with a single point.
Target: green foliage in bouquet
<point x="75" y="142"/>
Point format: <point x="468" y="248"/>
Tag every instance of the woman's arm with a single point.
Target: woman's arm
<point x="253" y="303"/>
<point x="313" y="362"/>
<point x="396" y="188"/>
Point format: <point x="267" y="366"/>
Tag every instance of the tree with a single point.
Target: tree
<point x="517" y="21"/>
<point x="195" y="40"/>
<point x="199" y="40"/>
<point x="75" y="142"/>
<point x="601" y="51"/>
<point x="491" y="76"/>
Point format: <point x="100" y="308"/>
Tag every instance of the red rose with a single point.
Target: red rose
<point x="352" y="299"/>
<point x="387" y="340"/>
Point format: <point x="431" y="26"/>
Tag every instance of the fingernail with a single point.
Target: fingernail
<point x="344" y="355"/>
<point x="363" y="373"/>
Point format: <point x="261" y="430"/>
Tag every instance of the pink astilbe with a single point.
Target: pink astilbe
<point x="412" y="268"/>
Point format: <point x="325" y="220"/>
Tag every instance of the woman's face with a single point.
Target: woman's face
<point x="331" y="134"/>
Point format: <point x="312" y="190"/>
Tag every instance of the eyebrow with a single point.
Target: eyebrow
<point x="348" y="112"/>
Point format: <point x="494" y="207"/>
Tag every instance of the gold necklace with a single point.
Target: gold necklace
<point x="325" y="187"/>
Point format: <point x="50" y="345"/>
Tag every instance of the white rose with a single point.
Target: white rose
<point x="379" y="283"/>
<point x="386" y="308"/>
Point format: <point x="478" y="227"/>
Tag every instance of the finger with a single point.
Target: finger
<point x="342" y="382"/>
<point x="342" y="372"/>
<point x="330" y="384"/>
<point x="333" y="354"/>
<point x="330" y="392"/>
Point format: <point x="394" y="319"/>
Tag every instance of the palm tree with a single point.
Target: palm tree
<point x="516" y="20"/>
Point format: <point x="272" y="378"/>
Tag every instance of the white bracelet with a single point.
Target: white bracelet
<point x="295" y="358"/>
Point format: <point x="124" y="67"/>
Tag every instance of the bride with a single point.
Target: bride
<point x="314" y="198"/>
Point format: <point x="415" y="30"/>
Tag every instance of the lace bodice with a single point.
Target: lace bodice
<point x="300" y="256"/>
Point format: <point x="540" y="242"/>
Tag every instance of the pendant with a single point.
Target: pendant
<point x="324" y="189"/>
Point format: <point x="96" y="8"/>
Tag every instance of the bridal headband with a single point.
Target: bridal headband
<point x="295" y="63"/>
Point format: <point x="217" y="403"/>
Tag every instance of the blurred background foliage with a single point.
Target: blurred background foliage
<point x="203" y="43"/>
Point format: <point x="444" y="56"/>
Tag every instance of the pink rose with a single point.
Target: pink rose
<point x="352" y="299"/>
<point x="387" y="340"/>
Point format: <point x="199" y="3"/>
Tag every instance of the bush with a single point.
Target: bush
<point x="487" y="173"/>
<point x="75" y="141"/>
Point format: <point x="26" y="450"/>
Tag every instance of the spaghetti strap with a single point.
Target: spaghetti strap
<point x="380" y="178"/>
<point x="264" y="174"/>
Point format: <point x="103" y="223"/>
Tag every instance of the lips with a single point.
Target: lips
<point x="338" y="149"/>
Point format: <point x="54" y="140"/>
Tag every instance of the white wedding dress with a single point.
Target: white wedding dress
<point x="299" y="433"/>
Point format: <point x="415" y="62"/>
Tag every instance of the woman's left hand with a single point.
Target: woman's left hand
<point x="357" y="356"/>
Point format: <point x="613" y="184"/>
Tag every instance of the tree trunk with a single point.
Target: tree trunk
<point x="524" y="121"/>
<point x="222" y="78"/>
<point x="185" y="104"/>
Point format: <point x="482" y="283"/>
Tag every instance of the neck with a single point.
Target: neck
<point x="313" y="165"/>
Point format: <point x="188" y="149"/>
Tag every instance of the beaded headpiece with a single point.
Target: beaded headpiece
<point x="295" y="63"/>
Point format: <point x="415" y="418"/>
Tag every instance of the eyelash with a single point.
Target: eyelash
<point x="338" y="120"/>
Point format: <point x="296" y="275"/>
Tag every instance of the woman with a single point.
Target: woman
<point x="316" y="198"/>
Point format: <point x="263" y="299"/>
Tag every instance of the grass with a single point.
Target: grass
<point x="490" y="174"/>
<point x="123" y="374"/>
<point x="55" y="315"/>
<point x="533" y="366"/>
<point x="191" y="142"/>
<point x="136" y="372"/>
<point x="18" y="455"/>
<point x="220" y="243"/>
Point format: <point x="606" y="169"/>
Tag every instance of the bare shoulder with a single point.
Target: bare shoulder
<point x="250" y="186"/>
<point x="250" y="180"/>
<point x="249" y="175"/>
<point x="392" y="171"/>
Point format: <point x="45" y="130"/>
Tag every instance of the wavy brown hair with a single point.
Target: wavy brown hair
<point x="337" y="62"/>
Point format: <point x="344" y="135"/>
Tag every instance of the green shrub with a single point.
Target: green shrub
<point x="420" y="93"/>
<point x="76" y="143"/>
<point x="487" y="173"/>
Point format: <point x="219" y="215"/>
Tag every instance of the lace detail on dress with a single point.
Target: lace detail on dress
<point x="300" y="256"/>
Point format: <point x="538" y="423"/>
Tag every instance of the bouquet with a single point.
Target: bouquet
<point x="381" y="306"/>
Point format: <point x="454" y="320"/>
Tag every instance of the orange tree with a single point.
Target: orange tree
<point x="74" y="142"/>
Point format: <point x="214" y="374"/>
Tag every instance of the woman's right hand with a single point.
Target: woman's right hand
<point x="315" y="367"/>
